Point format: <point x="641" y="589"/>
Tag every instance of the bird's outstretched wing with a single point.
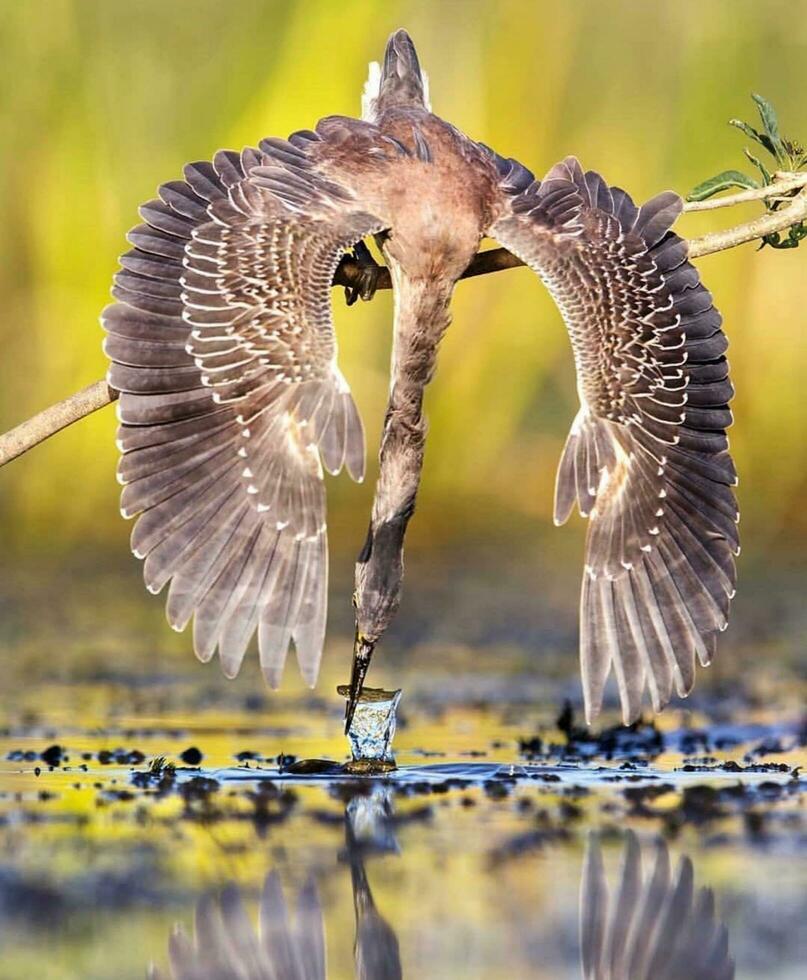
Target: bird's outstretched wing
<point x="222" y="346"/>
<point x="647" y="457"/>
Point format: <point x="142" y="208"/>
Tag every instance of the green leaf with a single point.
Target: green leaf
<point x="771" y="123"/>
<point x="721" y="182"/>
<point x="760" y="138"/>
<point x="795" y="236"/>
<point x="766" y="175"/>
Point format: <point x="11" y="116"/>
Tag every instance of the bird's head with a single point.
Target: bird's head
<point x="399" y="82"/>
<point x="379" y="574"/>
<point x="362" y="654"/>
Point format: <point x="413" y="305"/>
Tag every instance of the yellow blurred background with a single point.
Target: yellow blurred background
<point x="102" y="100"/>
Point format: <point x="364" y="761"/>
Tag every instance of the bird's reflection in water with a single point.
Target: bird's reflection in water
<point x="369" y="829"/>
<point x="225" y="946"/>
<point x="289" y="943"/>
<point x="655" y="925"/>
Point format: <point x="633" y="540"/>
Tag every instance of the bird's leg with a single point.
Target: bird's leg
<point x="421" y="319"/>
<point x="369" y="271"/>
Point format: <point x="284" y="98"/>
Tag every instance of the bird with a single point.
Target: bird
<point x="233" y="405"/>
<point x="289" y="942"/>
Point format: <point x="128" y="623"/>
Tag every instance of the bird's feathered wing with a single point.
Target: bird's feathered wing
<point x="647" y="457"/>
<point x="223" y="349"/>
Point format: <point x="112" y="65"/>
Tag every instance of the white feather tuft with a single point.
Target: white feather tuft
<point x="370" y="93"/>
<point x="427" y="102"/>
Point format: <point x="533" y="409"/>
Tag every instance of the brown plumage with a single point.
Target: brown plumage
<point x="232" y="402"/>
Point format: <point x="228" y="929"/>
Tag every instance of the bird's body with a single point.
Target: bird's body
<point x="437" y="203"/>
<point x="232" y="400"/>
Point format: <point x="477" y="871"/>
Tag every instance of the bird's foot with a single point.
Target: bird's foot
<point x="367" y="277"/>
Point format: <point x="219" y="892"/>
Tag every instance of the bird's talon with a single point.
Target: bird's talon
<point x="368" y="274"/>
<point x="369" y="282"/>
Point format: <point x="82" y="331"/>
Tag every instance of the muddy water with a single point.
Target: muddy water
<point x="503" y="846"/>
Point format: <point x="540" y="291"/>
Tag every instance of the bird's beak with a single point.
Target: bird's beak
<point x="362" y="652"/>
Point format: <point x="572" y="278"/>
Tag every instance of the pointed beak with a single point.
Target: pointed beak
<point x="362" y="653"/>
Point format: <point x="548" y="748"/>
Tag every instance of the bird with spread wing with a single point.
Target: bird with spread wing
<point x="232" y="402"/>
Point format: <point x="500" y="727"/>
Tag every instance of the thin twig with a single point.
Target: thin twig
<point x="349" y="274"/>
<point x="767" y="224"/>
<point x="349" y="271"/>
<point x="783" y="184"/>
<point x="44" y="424"/>
<point x="52" y="420"/>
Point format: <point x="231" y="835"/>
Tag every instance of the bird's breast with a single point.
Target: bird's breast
<point x="436" y="198"/>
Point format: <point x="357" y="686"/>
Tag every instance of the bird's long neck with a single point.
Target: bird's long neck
<point x="421" y="318"/>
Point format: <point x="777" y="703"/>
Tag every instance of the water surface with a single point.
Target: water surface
<point x="502" y="847"/>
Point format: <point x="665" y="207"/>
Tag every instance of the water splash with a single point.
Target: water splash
<point x="373" y="728"/>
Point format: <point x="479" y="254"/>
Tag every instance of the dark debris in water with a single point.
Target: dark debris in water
<point x="732" y="766"/>
<point x="531" y="840"/>
<point x="587" y="774"/>
<point x="639" y="739"/>
<point x="52" y="755"/>
<point x="705" y="804"/>
<point x="57" y="756"/>
<point x="191" y="756"/>
<point x="121" y="757"/>
<point x="642" y="742"/>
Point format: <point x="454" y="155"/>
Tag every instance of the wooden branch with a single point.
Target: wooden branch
<point x="767" y="224"/>
<point x="30" y="433"/>
<point x="784" y="184"/>
<point x="349" y="271"/>
<point x="52" y="420"/>
<point x="350" y="274"/>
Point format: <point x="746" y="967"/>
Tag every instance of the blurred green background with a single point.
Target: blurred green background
<point x="102" y="100"/>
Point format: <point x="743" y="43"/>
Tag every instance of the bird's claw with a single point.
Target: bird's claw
<point x="367" y="284"/>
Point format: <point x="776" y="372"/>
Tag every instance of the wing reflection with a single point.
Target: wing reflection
<point x="652" y="923"/>
<point x="655" y="925"/>
<point x="225" y="946"/>
<point x="286" y="945"/>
